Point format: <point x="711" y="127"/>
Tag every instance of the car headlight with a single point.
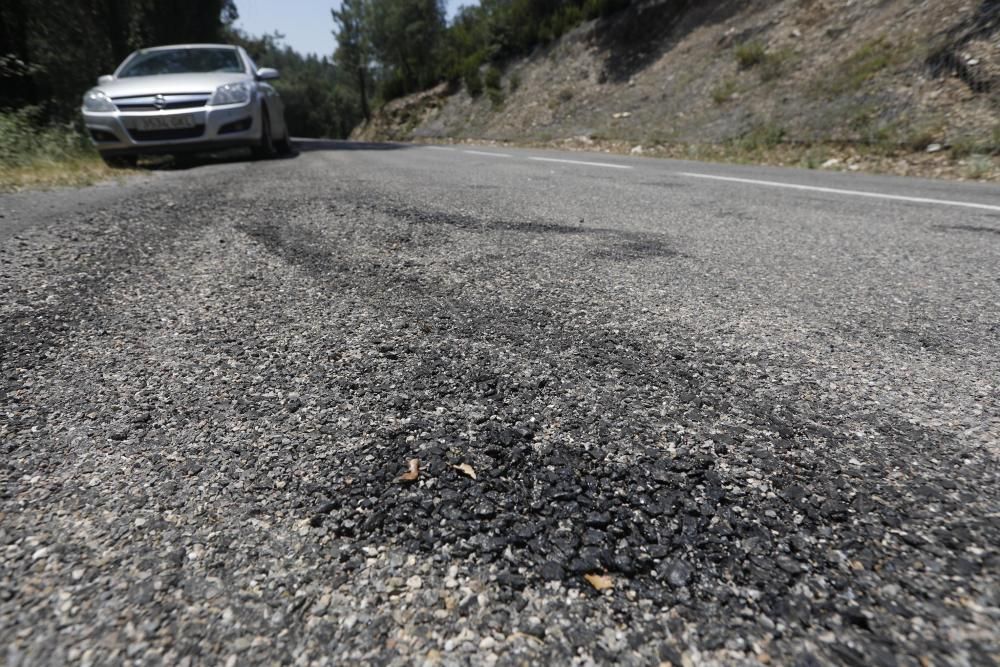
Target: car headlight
<point x="231" y="93"/>
<point x="95" y="100"/>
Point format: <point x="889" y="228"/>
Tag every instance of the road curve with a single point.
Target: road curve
<point x="660" y="412"/>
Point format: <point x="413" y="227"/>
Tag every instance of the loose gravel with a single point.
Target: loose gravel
<point x="212" y="391"/>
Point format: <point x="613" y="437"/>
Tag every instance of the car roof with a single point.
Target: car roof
<point x="168" y="47"/>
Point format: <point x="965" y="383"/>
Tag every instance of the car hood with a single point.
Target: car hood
<point x="169" y="84"/>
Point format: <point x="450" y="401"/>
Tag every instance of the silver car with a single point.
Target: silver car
<point x="185" y="98"/>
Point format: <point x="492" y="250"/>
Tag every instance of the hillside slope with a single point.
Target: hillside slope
<point x="862" y="80"/>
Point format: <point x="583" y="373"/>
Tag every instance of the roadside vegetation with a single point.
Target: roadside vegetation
<point x="886" y="88"/>
<point x="869" y="60"/>
<point x="400" y="47"/>
<point x="34" y="155"/>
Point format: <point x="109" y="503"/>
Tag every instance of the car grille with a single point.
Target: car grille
<point x="167" y="135"/>
<point x="148" y="102"/>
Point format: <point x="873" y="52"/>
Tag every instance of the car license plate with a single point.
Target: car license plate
<point x="180" y="122"/>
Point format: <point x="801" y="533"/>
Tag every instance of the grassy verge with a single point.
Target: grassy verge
<point x="33" y="156"/>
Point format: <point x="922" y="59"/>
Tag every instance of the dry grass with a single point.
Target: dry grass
<point x="869" y="60"/>
<point x="724" y="92"/>
<point x="75" y="172"/>
<point x="42" y="156"/>
<point x="750" y="54"/>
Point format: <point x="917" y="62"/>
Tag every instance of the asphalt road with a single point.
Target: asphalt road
<point x="760" y="407"/>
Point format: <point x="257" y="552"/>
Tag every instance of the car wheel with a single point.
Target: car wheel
<point x="120" y="161"/>
<point x="284" y="145"/>
<point x="266" y="147"/>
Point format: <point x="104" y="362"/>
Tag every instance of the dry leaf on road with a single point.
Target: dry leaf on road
<point x="467" y="469"/>
<point x="601" y="582"/>
<point x="412" y="474"/>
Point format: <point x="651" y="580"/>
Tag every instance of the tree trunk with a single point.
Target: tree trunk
<point x="363" y="90"/>
<point x="118" y="29"/>
<point x="14" y="31"/>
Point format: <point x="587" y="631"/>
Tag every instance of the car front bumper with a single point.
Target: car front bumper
<point x="214" y="128"/>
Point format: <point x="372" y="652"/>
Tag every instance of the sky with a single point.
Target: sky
<point x="306" y="24"/>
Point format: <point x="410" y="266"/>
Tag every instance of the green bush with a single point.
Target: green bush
<point x="473" y="82"/>
<point x="569" y="18"/>
<point x="862" y="65"/>
<point x="770" y="63"/>
<point x="496" y="96"/>
<point x="964" y="146"/>
<point x="33" y="154"/>
<point x="750" y="54"/>
<point x="24" y="142"/>
<point x="593" y="9"/>
<point x="393" y="86"/>
<point x="920" y="137"/>
<point x="761" y="137"/>
<point x="814" y="158"/>
<point x="773" y="66"/>
<point x="493" y="79"/>
<point x="978" y="167"/>
<point x="724" y="91"/>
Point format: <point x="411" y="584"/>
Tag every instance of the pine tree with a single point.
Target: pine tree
<point x="353" y="47"/>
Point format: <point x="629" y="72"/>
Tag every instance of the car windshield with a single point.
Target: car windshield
<point x="183" y="61"/>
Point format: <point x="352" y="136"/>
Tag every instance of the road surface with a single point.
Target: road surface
<point x="661" y="412"/>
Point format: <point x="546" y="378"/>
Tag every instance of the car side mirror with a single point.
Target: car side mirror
<point x="107" y="78"/>
<point x="267" y="73"/>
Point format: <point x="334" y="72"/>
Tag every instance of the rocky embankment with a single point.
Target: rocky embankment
<point x="902" y="87"/>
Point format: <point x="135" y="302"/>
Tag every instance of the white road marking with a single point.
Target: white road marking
<point x="439" y="148"/>
<point x="487" y="154"/>
<point x="589" y="164"/>
<point x="837" y="191"/>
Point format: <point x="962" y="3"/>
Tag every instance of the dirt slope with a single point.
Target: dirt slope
<point x="872" y="79"/>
